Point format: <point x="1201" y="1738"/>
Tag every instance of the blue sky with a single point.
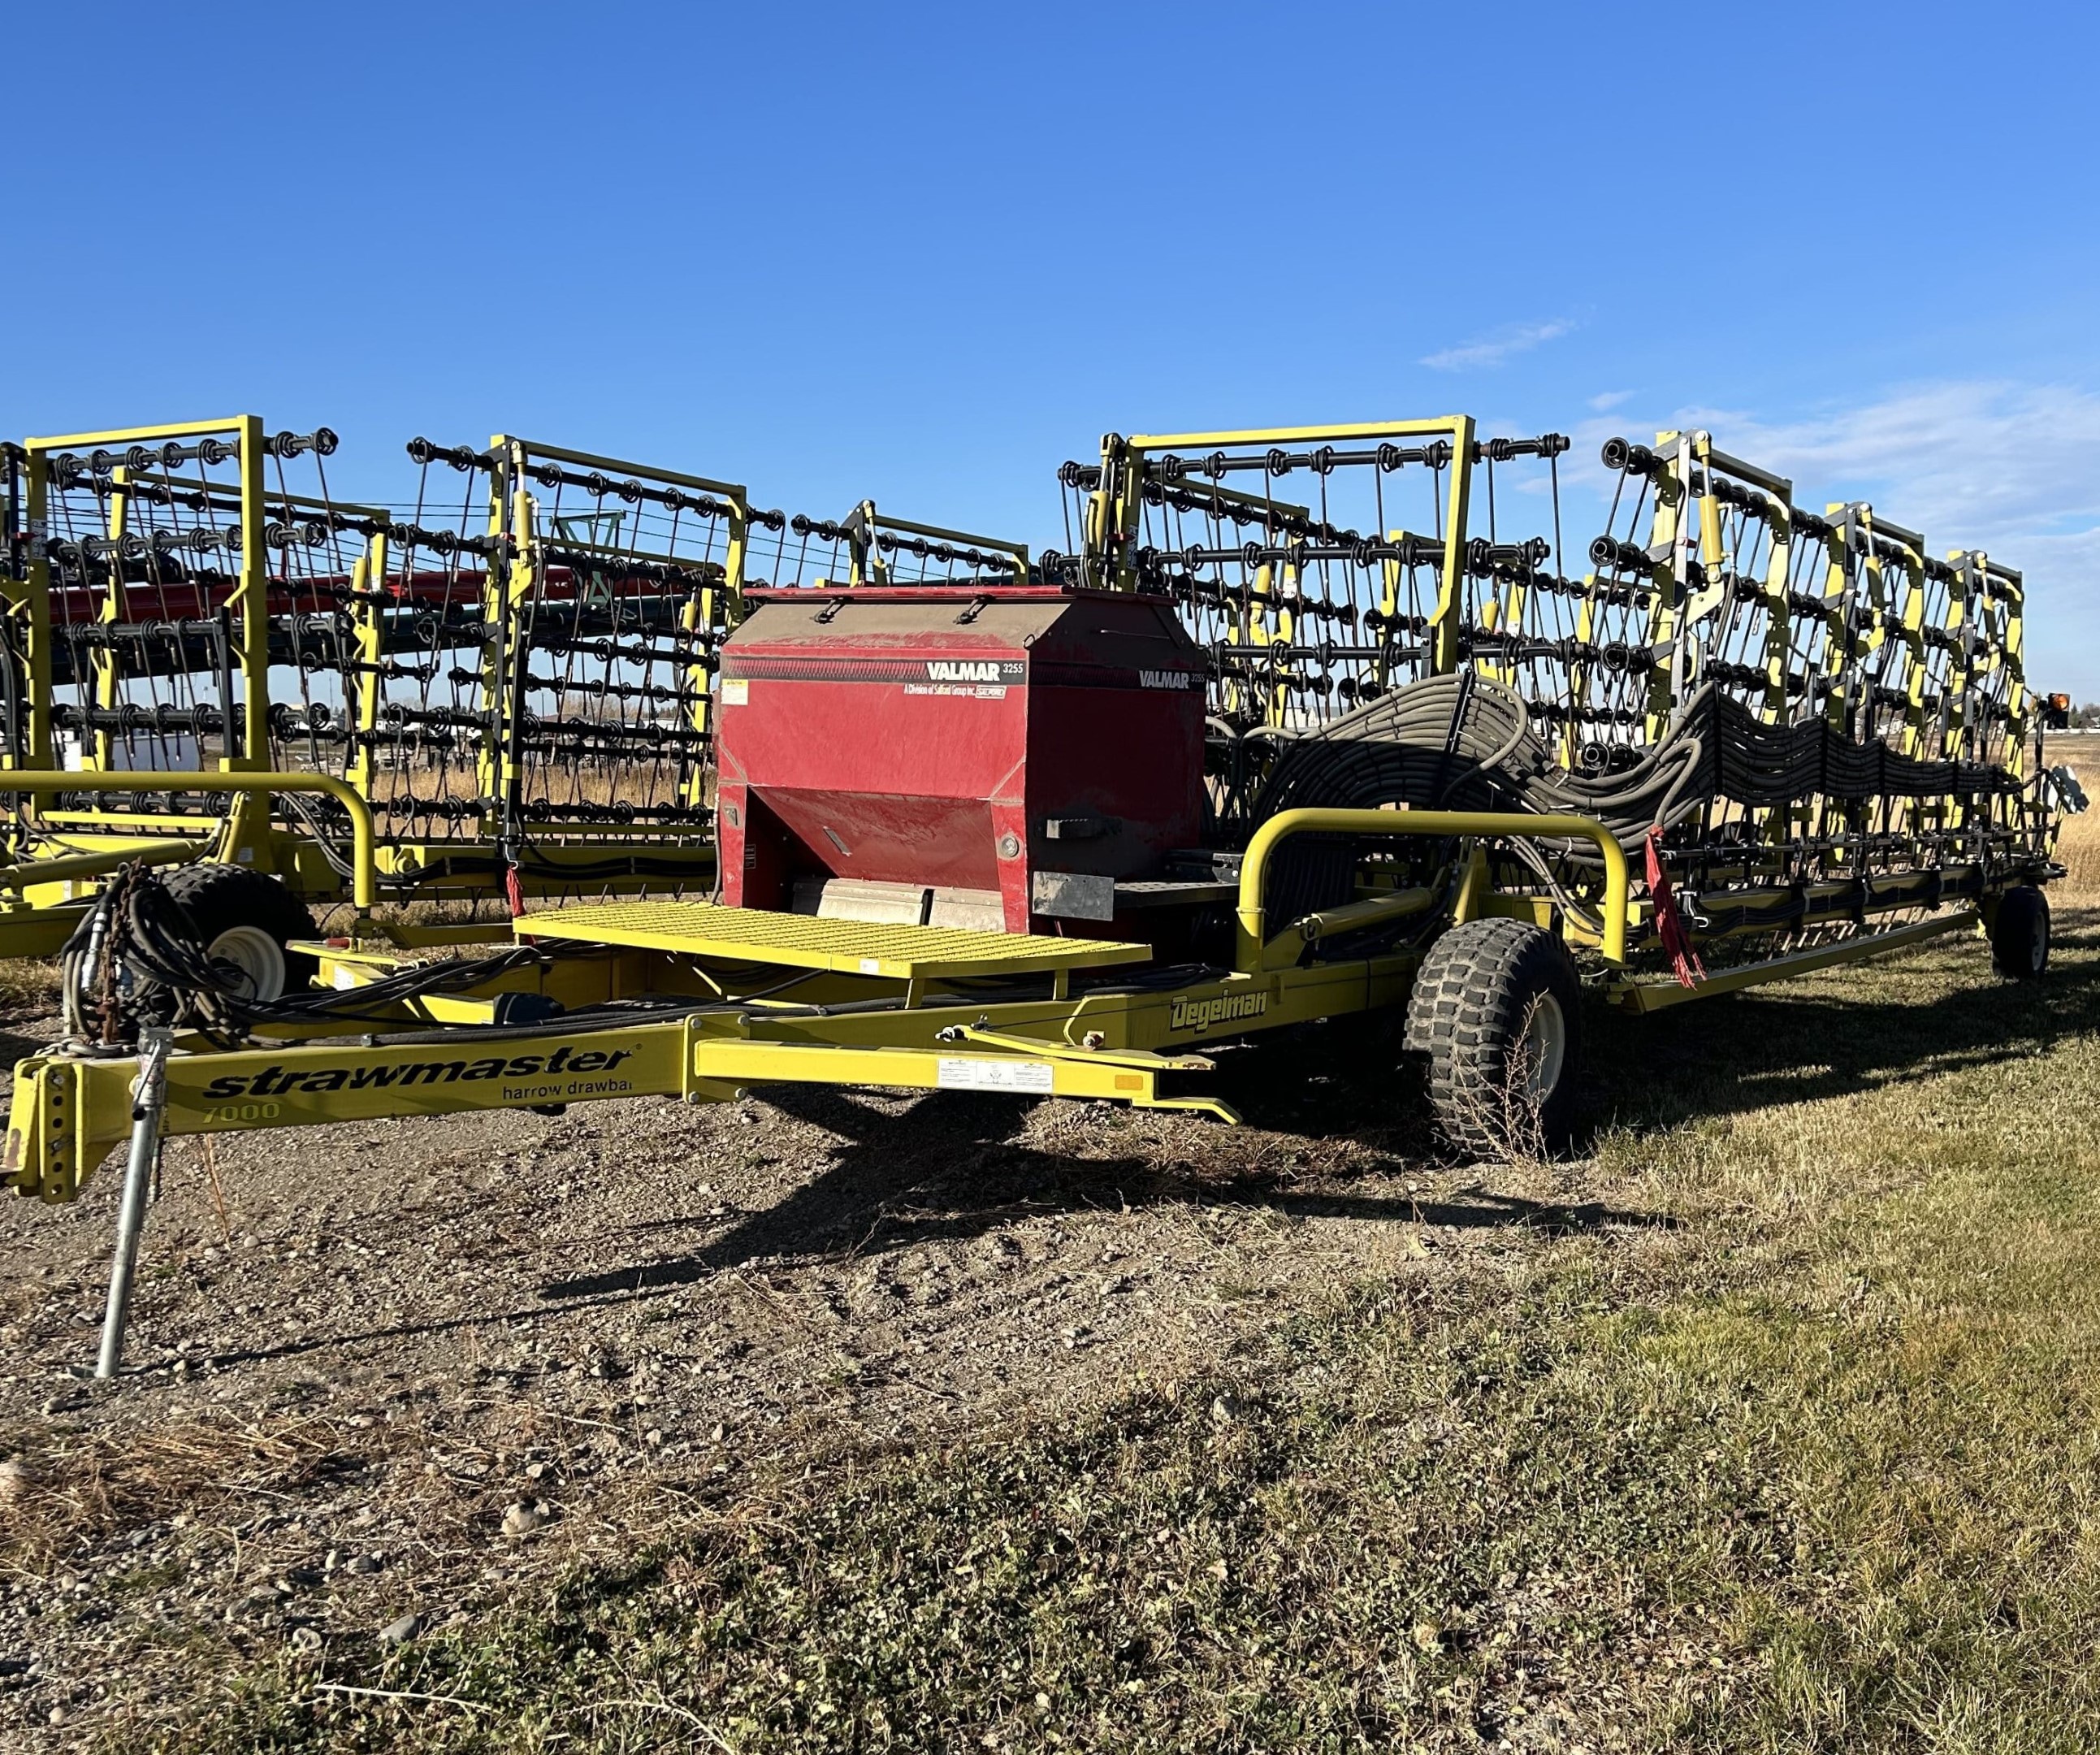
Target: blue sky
<point x="927" y="252"/>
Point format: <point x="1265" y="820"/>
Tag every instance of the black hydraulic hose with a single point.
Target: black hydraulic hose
<point x="1450" y="742"/>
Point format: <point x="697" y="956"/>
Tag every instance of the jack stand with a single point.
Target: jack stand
<point x="149" y="1102"/>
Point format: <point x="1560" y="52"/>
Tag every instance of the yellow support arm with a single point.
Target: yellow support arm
<point x="364" y="883"/>
<point x="1504" y="824"/>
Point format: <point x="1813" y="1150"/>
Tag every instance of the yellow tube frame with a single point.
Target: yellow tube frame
<point x="70" y="868"/>
<point x="1493" y="824"/>
<point x="1112" y="520"/>
<point x="867" y="564"/>
<point x="365" y="882"/>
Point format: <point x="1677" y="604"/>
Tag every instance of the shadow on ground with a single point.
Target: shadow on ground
<point x="1794" y="1045"/>
<point x="952" y="1165"/>
<point x="948" y="1168"/>
<point x="15" y="1047"/>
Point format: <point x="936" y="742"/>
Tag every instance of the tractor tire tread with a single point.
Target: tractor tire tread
<point x="218" y="896"/>
<point x="1467" y="1013"/>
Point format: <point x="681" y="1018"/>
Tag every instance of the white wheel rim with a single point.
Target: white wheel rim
<point x="258" y="956"/>
<point x="1544" y="1048"/>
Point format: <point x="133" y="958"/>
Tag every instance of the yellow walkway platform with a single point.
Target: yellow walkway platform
<point x="802" y="941"/>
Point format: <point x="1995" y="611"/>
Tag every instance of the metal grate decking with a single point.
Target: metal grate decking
<point x="802" y="941"/>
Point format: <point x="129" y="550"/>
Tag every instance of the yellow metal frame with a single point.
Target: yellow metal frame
<point x="868" y="567"/>
<point x="1115" y="509"/>
<point x="842" y="947"/>
<point x="1114" y="1042"/>
<point x="1661" y="994"/>
<point x="905" y="1008"/>
<point x="1875" y="585"/>
<point x="1256" y="951"/>
<point x="363" y="840"/>
<point x="249" y="835"/>
<point x="242" y="771"/>
<point x="67" y="1114"/>
<point x="250" y="597"/>
<point x="514" y="512"/>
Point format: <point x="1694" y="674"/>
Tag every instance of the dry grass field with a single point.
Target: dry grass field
<point x="1768" y="1424"/>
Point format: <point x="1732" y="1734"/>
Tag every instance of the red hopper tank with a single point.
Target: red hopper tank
<point x="982" y="756"/>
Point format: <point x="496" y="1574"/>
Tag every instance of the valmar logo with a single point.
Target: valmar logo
<point x="1165" y="679"/>
<point x="1223" y="1007"/>
<point x="961" y="670"/>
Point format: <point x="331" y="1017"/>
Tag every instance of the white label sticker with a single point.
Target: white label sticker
<point x="1033" y="1076"/>
<point x="870" y="965"/>
<point x="345" y="978"/>
<point x="736" y="692"/>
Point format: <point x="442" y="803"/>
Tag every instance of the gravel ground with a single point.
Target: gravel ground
<point x="382" y="1377"/>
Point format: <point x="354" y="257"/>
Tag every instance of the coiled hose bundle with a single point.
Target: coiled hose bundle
<point x="138" y="957"/>
<point x="1465" y="743"/>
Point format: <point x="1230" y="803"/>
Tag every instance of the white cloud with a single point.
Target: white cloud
<point x="1606" y="400"/>
<point x="1972" y="464"/>
<point x="1492" y="350"/>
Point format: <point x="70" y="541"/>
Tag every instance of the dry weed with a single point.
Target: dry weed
<point x="1503" y="1121"/>
<point x="65" y="1490"/>
<point x="2079" y="850"/>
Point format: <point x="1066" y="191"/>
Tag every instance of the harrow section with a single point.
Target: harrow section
<point x="1323" y="568"/>
<point x="513" y="665"/>
<point x="1801" y="720"/>
<point x="160" y="580"/>
<point x="512" y="668"/>
<point x="535" y="665"/>
<point x="169" y="577"/>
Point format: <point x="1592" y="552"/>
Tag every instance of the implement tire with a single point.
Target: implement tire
<point x="245" y="918"/>
<point x="2020" y="935"/>
<point x="1497" y="1008"/>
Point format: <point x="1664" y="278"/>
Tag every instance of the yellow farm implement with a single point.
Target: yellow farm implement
<point x="1245" y="757"/>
